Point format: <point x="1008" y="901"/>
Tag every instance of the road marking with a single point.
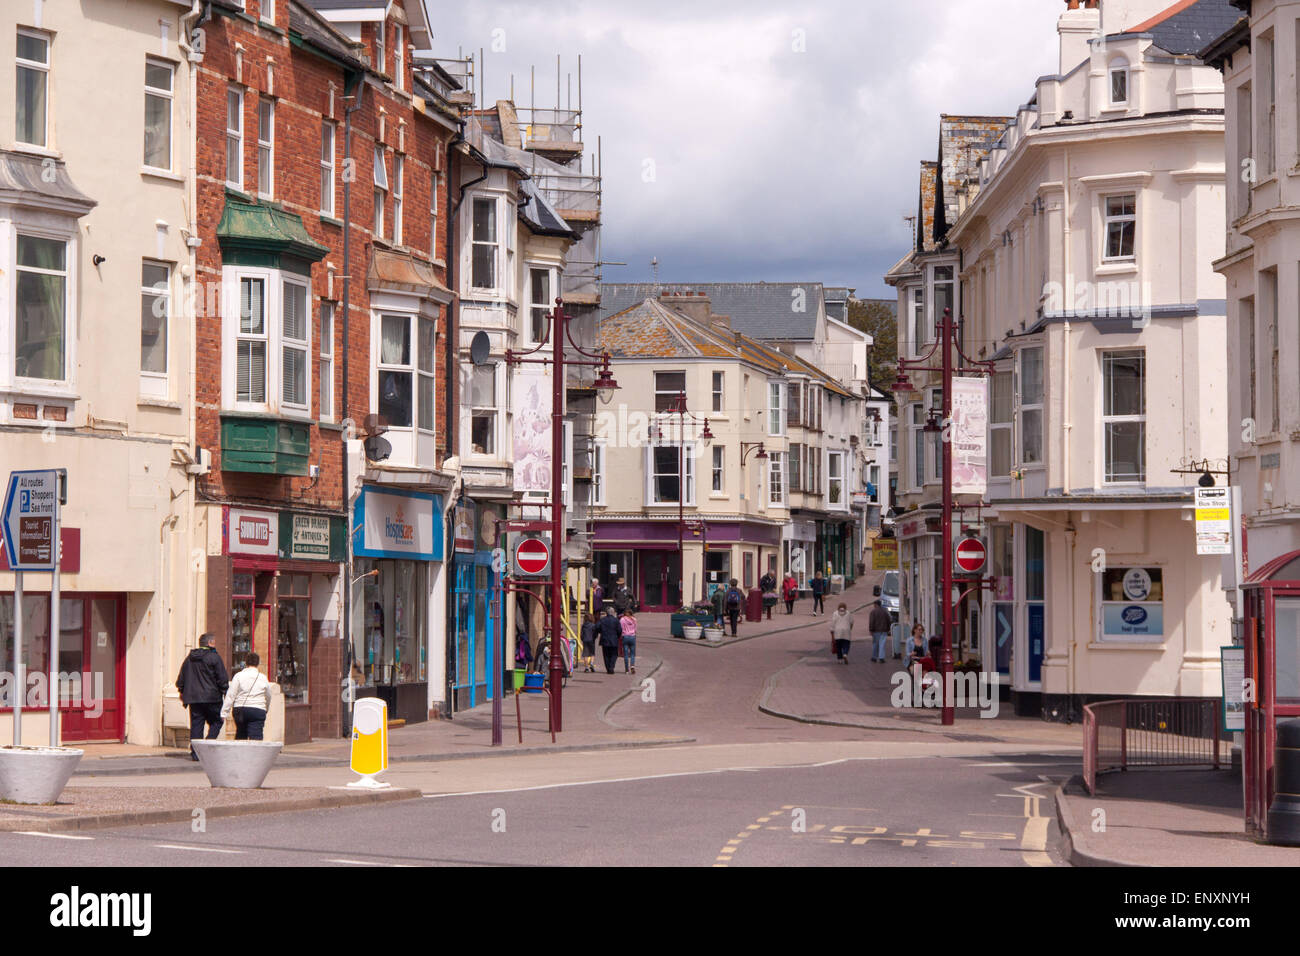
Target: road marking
<point x="1033" y="842"/>
<point x="196" y="849"/>
<point x="52" y="836"/>
<point x="366" y="863"/>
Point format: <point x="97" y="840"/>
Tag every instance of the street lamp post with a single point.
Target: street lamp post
<point x="557" y="331"/>
<point x="679" y="409"/>
<point x="945" y="339"/>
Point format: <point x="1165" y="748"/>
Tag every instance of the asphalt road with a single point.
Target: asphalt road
<point x="991" y="810"/>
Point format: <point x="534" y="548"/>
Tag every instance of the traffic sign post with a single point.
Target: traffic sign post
<point x="971" y="555"/>
<point x="31" y="539"/>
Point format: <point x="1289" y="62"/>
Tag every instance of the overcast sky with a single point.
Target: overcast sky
<point x="754" y="140"/>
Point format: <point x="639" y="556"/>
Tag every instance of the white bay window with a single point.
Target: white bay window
<point x="267" y="330"/>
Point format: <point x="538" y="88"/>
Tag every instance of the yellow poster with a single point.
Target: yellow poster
<point x="884" y="554"/>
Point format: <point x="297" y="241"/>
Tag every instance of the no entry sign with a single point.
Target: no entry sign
<point x="532" y="557"/>
<point x="970" y="555"/>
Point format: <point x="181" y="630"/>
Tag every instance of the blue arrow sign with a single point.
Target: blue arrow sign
<point x="30" y="520"/>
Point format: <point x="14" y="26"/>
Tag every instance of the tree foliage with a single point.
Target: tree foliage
<point x="876" y="318"/>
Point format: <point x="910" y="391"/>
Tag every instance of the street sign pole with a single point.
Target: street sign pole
<point x="20" y="682"/>
<point x="53" y="689"/>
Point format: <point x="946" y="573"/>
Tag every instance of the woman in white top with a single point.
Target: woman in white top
<point x="248" y="698"/>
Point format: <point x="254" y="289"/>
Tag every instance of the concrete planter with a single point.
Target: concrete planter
<point x="36" y="774"/>
<point x="236" y="764"/>
<point x="692" y="631"/>
<point x="713" y="635"/>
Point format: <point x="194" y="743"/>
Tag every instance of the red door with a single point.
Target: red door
<point x="92" y="645"/>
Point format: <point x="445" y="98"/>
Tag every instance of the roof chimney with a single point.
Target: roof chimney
<point x="1080" y="23"/>
<point x="695" y="305"/>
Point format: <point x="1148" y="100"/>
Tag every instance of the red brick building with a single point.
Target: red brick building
<point x="322" y="206"/>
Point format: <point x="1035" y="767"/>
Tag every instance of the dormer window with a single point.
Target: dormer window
<point x="1118" y="82"/>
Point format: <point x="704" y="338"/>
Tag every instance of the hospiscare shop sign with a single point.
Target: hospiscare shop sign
<point x="398" y="524"/>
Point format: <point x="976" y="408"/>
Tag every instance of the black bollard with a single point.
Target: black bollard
<point x="1283" y="828"/>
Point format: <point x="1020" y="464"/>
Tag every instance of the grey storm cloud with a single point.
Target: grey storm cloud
<point x="760" y="140"/>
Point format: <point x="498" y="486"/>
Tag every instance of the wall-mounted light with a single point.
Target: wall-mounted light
<point x="95" y="260"/>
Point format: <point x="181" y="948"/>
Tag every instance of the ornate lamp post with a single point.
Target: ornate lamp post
<point x="557" y="331"/>
<point x="947" y="340"/>
<point x="680" y="410"/>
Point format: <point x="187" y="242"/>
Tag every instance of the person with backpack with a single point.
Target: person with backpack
<point x="819" y="593"/>
<point x="609" y="632"/>
<point x="202" y="684"/>
<point x="628" y="625"/>
<point x="735" y="600"/>
<point x="767" y="584"/>
<point x="789" y="591"/>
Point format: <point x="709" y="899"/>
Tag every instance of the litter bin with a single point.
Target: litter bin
<point x="837" y="584"/>
<point x="754" y="605"/>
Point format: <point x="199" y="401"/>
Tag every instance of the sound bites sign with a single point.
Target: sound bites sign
<point x="532" y="557"/>
<point x="971" y="555"/>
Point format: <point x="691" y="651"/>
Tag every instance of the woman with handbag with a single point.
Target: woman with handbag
<point x="248" y="699"/>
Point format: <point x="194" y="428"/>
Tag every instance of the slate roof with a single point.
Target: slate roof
<point x="540" y="216"/>
<point x="963" y="142"/>
<point x="316" y="31"/>
<point x="1189" y="26"/>
<point x="761" y="310"/>
<point x="650" y="329"/>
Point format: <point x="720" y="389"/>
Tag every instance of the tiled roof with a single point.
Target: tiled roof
<point x="1189" y="25"/>
<point x="761" y="310"/>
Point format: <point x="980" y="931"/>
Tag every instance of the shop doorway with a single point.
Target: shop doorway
<point x="661" y="580"/>
<point x="478" y="607"/>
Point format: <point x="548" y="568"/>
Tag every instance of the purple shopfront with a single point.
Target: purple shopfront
<point x="645" y="553"/>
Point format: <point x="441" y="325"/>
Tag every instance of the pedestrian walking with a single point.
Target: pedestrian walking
<point x="628" y="625"/>
<point x="842" y="631"/>
<point x="819" y="593"/>
<point x="767" y="584"/>
<point x="202" y="684"/>
<point x="720" y="605"/>
<point x="789" y="591"/>
<point x="588" y="637"/>
<point x="917" y="649"/>
<point x="609" y="633"/>
<point x="597" y="599"/>
<point x="622" y="597"/>
<point x="735" y="600"/>
<point x="878" y="623"/>
<point x="248" y="699"/>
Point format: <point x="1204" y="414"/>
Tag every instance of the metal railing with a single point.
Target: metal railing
<point x="1160" y="732"/>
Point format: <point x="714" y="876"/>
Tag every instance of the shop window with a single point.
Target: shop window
<point x="395" y="611"/>
<point x="1132" y="604"/>
<point x="292" y="654"/>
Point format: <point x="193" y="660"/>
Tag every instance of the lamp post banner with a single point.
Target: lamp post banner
<point x="968" y="436"/>
<point x="531" y="431"/>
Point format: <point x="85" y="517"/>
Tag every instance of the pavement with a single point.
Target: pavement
<point x="1155" y="817"/>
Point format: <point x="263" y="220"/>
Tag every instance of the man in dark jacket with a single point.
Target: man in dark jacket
<point x="622" y="597"/>
<point x="878" y="623"/>
<point x="202" y="684"/>
<point x="610" y="633"/>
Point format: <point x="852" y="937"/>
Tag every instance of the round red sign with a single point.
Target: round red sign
<point x="532" y="556"/>
<point x="970" y="555"/>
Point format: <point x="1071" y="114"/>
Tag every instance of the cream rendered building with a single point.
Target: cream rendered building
<point x="95" y="346"/>
<point x="1084" y="242"/>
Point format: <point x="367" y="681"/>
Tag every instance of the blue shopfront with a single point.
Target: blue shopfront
<point x="398" y="545"/>
<point x="473" y="667"/>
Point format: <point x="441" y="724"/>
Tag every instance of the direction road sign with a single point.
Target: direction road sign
<point x="970" y="555"/>
<point x="31" y="520"/>
<point x="532" y="557"/>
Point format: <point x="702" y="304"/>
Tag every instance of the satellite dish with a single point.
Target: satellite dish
<point x="378" y="448"/>
<point x="480" y="348"/>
